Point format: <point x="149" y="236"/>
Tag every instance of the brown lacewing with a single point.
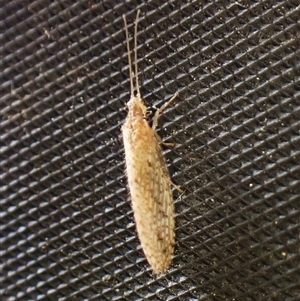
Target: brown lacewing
<point x="147" y="172"/>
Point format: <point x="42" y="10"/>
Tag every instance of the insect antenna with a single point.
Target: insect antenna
<point x="135" y="57"/>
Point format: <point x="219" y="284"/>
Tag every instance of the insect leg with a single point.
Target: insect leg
<point x="177" y="187"/>
<point x="158" y="112"/>
<point x="168" y="144"/>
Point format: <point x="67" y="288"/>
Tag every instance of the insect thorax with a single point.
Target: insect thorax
<point x="136" y="106"/>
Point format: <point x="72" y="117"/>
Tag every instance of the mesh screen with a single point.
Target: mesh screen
<point x="67" y="227"/>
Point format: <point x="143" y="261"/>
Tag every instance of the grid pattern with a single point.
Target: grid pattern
<point x="67" y="227"/>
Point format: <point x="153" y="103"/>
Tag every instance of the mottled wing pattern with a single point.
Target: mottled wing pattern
<point x="163" y="209"/>
<point x="151" y="194"/>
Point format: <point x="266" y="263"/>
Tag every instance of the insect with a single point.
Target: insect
<point x="147" y="172"/>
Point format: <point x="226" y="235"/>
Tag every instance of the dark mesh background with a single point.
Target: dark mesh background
<point x="67" y="228"/>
